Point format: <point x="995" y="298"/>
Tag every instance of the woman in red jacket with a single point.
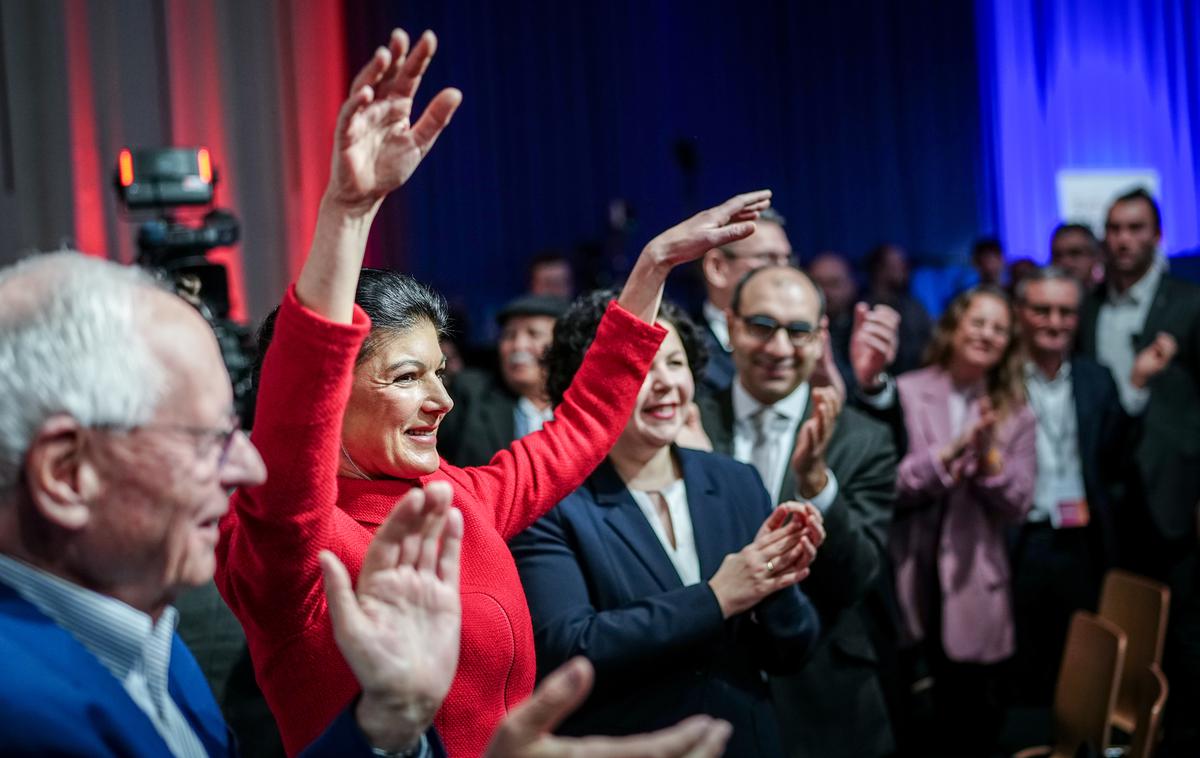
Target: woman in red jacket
<point x="347" y="421"/>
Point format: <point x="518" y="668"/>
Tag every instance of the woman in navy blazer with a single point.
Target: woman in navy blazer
<point x="968" y="475"/>
<point x="668" y="569"/>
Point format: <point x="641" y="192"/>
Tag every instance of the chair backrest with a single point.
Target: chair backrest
<point x="1152" y="694"/>
<point x="1138" y="606"/>
<point x="1087" y="684"/>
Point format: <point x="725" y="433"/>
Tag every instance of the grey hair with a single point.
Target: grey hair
<point x="72" y="342"/>
<point x="1045" y="274"/>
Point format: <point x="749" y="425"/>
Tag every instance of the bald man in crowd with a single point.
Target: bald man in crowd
<point x="806" y="446"/>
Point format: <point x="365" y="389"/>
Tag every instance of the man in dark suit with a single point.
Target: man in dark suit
<point x="723" y="268"/>
<point x="805" y="446"/>
<point x="1144" y="325"/>
<point x="493" y="408"/>
<point x="1069" y="538"/>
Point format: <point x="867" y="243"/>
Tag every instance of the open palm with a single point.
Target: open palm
<point x="377" y="146"/>
<point x="399" y="630"/>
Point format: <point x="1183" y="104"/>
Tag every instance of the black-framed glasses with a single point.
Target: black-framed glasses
<point x="764" y="258"/>
<point x="762" y="328"/>
<point x="208" y="439"/>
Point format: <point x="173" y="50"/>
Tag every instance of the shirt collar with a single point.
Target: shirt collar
<point x="718" y="323"/>
<point x="790" y="407"/>
<point x="1144" y="288"/>
<point x="114" y="632"/>
<point x="1032" y="372"/>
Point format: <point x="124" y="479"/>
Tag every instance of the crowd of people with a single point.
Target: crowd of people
<point x="803" y="523"/>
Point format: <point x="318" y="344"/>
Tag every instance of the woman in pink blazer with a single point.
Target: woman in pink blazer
<point x="968" y="475"/>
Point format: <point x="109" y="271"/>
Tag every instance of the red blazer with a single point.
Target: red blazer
<point x="267" y="567"/>
<point x="955" y="530"/>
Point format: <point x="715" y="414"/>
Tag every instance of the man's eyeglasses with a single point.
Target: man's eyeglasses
<point x="764" y="258"/>
<point x="763" y="328"/>
<point x="209" y="440"/>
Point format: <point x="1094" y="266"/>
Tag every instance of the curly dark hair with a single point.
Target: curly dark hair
<point x="574" y="332"/>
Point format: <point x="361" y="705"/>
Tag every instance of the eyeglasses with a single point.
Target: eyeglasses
<point x="762" y="328"/>
<point x="208" y="439"/>
<point x="764" y="258"/>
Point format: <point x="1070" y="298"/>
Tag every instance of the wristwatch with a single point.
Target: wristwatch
<point x="416" y="751"/>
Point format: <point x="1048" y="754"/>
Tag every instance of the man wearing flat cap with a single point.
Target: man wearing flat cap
<point x="493" y="408"/>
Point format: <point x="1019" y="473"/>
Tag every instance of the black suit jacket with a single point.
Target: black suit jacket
<point x="835" y="706"/>
<point x="600" y="584"/>
<point x="1103" y="432"/>
<point x="481" y="423"/>
<point x="719" y="370"/>
<point x="1167" y="451"/>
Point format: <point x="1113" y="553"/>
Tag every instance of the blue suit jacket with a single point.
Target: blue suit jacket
<point x="600" y="584"/>
<point x="57" y="699"/>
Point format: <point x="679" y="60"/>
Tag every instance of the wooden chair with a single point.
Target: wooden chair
<point x="1152" y="694"/>
<point x="1139" y="607"/>
<point x="1086" y="692"/>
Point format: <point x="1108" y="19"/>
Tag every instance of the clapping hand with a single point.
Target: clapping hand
<point x="376" y="146"/>
<point x="873" y="342"/>
<point x="399" y="630"/>
<point x="973" y="448"/>
<point x="778" y="557"/>
<point x="526" y="732"/>
<point x="1151" y="360"/>
<point x="812" y="440"/>
<point x="826" y="373"/>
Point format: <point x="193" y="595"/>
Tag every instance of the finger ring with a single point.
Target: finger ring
<point x="770" y="567"/>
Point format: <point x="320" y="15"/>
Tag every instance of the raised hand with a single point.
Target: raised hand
<point x="873" y="342"/>
<point x="812" y="440"/>
<point x="728" y="222"/>
<point x="399" y="630"/>
<point x="1152" y="359"/>
<point x="376" y="145"/>
<point x="778" y="557"/>
<point x="525" y="733"/>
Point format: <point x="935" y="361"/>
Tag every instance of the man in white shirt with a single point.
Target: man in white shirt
<point x="1069" y="539"/>
<point x="806" y="446"/>
<point x="1144" y="325"/>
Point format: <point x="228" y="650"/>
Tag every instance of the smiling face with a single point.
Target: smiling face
<point x="771" y="367"/>
<point x="523" y="342"/>
<point x="982" y="335"/>
<point x="1049" y="314"/>
<point x="397" y="401"/>
<point x="160" y="489"/>
<point x="663" y="399"/>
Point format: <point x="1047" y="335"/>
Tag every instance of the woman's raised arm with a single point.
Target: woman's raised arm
<point x="376" y="148"/>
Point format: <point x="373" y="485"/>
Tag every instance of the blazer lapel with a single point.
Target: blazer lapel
<point x="711" y="519"/>
<point x="716" y="415"/>
<point x="934" y="392"/>
<point x="626" y="519"/>
<point x="1158" y="317"/>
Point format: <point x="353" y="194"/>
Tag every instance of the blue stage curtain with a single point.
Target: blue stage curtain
<point x="1089" y="84"/>
<point x="862" y="116"/>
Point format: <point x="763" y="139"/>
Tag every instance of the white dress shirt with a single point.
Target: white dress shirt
<point x="1059" y="470"/>
<point x="683" y="555"/>
<point x="784" y="422"/>
<point x="718" y="323"/>
<point x="528" y="418"/>
<point x="1120" y="321"/>
<point x="134" y="648"/>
